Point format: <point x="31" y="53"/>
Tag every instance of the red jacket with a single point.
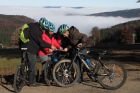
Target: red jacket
<point x="52" y="41"/>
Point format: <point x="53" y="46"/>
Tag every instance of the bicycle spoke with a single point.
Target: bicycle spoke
<point x="114" y="77"/>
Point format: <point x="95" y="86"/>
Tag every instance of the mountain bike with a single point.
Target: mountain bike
<point x="56" y="56"/>
<point x="21" y="77"/>
<point x="108" y="75"/>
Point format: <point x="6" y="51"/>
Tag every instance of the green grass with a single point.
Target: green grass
<point x="8" y="66"/>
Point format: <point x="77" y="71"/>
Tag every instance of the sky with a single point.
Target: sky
<point x="59" y="16"/>
<point x="75" y="3"/>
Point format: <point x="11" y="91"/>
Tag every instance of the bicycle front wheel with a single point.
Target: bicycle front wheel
<point x="18" y="79"/>
<point x="112" y="76"/>
<point x="65" y="73"/>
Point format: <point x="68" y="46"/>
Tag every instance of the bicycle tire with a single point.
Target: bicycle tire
<point x="18" y="81"/>
<point x="46" y="75"/>
<point x="118" y="70"/>
<point x="76" y="72"/>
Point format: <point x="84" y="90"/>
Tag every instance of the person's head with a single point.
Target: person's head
<point x="44" y="23"/>
<point x="51" y="28"/>
<point x="63" y="30"/>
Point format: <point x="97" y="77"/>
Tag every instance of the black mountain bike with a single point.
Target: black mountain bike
<point x="21" y="77"/>
<point x="108" y="75"/>
<point x="22" y="72"/>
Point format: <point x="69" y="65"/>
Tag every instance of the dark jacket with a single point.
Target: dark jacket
<point x="75" y="37"/>
<point x="64" y="40"/>
<point x="34" y="33"/>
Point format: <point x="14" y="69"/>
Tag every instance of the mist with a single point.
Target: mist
<point x="60" y="16"/>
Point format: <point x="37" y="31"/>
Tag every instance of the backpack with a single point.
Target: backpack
<point x="22" y="36"/>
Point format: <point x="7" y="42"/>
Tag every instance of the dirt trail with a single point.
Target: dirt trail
<point x="132" y="85"/>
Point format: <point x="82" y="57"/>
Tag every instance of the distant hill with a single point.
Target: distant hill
<point x="9" y="24"/>
<point x="132" y="13"/>
<point x="52" y="7"/>
<point x="78" y="7"/>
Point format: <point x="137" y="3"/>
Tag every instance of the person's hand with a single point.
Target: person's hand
<point x="53" y="47"/>
<point x="50" y="50"/>
<point x="61" y="48"/>
<point x="79" y="45"/>
<point x="65" y="49"/>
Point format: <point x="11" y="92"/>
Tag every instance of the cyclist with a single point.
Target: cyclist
<point x="34" y="31"/>
<point x="48" y="37"/>
<point x="75" y="38"/>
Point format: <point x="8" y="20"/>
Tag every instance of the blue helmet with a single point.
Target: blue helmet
<point x="44" y="23"/>
<point x="51" y="27"/>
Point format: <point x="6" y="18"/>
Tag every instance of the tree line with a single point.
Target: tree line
<point x="126" y="33"/>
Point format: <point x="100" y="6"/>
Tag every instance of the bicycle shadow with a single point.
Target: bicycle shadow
<point x="92" y="84"/>
<point x="7" y="82"/>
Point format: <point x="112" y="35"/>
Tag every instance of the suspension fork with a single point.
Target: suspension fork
<point x="80" y="65"/>
<point x="100" y="63"/>
<point x="73" y="60"/>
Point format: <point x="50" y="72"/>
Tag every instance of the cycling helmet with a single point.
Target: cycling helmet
<point x="51" y="27"/>
<point x="44" y="23"/>
<point x="63" y="28"/>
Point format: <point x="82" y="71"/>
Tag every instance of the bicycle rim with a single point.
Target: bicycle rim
<point x="18" y="79"/>
<point x="112" y="76"/>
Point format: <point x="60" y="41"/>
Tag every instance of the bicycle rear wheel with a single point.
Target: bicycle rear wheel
<point x="18" y="79"/>
<point x="65" y="73"/>
<point x="112" y="76"/>
<point x="47" y="74"/>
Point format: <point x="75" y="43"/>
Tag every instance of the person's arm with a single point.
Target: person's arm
<point x="44" y="44"/>
<point x="76" y="37"/>
<point x="37" y="37"/>
<point x="83" y="40"/>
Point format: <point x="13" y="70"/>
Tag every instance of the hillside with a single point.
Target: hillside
<point x="122" y="34"/>
<point x="9" y="24"/>
<point x="125" y="33"/>
<point x="132" y="13"/>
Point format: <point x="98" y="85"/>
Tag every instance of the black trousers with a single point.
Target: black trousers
<point x="32" y="59"/>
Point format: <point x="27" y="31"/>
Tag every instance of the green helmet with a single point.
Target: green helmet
<point x="63" y="28"/>
<point x="44" y="23"/>
<point x="51" y="27"/>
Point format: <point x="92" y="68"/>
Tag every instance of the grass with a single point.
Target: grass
<point x="8" y="66"/>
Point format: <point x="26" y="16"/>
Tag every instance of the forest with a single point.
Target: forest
<point x="125" y="33"/>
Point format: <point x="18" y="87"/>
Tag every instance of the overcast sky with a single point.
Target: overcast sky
<point x="75" y="3"/>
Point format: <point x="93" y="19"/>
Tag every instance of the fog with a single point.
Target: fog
<point x="59" y="16"/>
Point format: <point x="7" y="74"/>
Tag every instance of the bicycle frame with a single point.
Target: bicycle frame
<point x="80" y="56"/>
<point x="24" y="63"/>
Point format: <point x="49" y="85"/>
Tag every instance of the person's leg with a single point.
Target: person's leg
<point x="32" y="61"/>
<point x="47" y="66"/>
<point x="46" y="61"/>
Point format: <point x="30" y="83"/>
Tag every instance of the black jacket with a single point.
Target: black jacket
<point x="75" y="37"/>
<point x="34" y="33"/>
